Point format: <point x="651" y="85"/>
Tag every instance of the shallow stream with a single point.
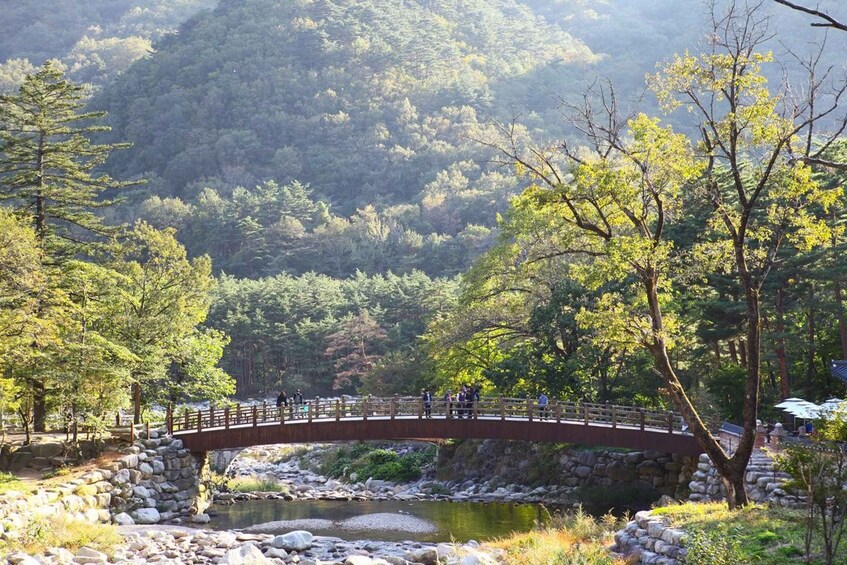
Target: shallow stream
<point x="389" y="520"/>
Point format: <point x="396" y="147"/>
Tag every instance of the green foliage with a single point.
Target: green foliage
<point x="94" y="39"/>
<point x="414" y="75"/>
<point x="717" y="547"/>
<point x="65" y="532"/>
<point x="49" y="163"/>
<point x="745" y="535"/>
<point x="164" y="296"/>
<point x="281" y="326"/>
<point x="252" y="484"/>
<point x="379" y="464"/>
<point x="573" y="538"/>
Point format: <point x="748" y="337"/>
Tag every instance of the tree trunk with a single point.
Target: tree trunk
<point x="136" y="402"/>
<point x="842" y="321"/>
<point x="731" y="469"/>
<point x="733" y="351"/>
<point x="733" y="483"/>
<point x="742" y="352"/>
<point x="810" y="343"/>
<point x="784" y="389"/>
<point x="39" y="406"/>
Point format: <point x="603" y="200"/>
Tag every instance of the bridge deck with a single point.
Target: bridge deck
<point x="398" y="418"/>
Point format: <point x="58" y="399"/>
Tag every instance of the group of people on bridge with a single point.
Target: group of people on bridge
<point x="461" y="405"/>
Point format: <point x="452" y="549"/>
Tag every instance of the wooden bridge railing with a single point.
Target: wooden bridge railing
<point x="187" y="421"/>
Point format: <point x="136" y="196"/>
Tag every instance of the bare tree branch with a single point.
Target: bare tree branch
<point x="829" y="21"/>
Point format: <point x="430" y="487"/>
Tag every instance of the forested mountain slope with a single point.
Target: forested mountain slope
<point x="95" y="39"/>
<point x="365" y="100"/>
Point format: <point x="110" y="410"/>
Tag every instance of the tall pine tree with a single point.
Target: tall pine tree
<point x="48" y="171"/>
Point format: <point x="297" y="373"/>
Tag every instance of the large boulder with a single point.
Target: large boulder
<point x="146" y="516"/>
<point x="123" y="519"/>
<point x="247" y="554"/>
<point x="425" y="555"/>
<point x="298" y="540"/>
<point x="47" y="449"/>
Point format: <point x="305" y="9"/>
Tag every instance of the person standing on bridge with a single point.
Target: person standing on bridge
<point x="542" y="406"/>
<point x="282" y="399"/>
<point x="448" y="403"/>
<point x="298" y="401"/>
<point x="426" y="397"/>
<point x="460" y="403"/>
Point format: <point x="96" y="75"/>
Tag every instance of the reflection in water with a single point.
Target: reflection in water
<point x="457" y="521"/>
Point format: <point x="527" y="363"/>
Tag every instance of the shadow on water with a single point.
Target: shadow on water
<point x="452" y="521"/>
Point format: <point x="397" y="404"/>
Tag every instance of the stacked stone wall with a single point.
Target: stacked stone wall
<point x="155" y="480"/>
<point x="762" y="482"/>
<point x="649" y="540"/>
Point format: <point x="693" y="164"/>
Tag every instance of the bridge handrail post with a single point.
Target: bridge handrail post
<point x="199" y="421"/>
<point x="309" y="411"/>
<point x="264" y="411"/>
<point x="226" y="417"/>
<point x="337" y="411"/>
<point x="529" y="409"/>
<point x="343" y="406"/>
<point x="169" y="418"/>
<point x="614" y="416"/>
<point x="475" y="410"/>
<point x="585" y="412"/>
<point x="185" y="424"/>
<point x="670" y="422"/>
<point x="237" y="414"/>
<point x="364" y="408"/>
<point x="211" y="416"/>
<point x="393" y="406"/>
<point x="502" y="407"/>
<point x="558" y="412"/>
<point x="641" y="418"/>
<point x="281" y="414"/>
<point x="255" y="415"/>
<point x="132" y="432"/>
<point x="420" y="408"/>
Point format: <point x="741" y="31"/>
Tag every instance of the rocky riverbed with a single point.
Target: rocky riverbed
<point x="178" y="545"/>
<point x="294" y="474"/>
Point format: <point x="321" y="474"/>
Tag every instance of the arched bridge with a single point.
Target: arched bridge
<point x="409" y="418"/>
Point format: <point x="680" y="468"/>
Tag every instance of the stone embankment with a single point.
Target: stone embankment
<point x="763" y="482"/>
<point x="176" y="545"/>
<point x="154" y="481"/>
<point x="649" y="540"/>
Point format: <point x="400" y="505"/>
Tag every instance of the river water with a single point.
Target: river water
<point x="386" y="520"/>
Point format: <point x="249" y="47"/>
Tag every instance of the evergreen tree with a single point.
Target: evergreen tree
<point x="48" y="163"/>
<point x="48" y="171"/>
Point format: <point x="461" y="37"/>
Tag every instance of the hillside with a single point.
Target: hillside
<point x="364" y="100"/>
<point x="96" y="40"/>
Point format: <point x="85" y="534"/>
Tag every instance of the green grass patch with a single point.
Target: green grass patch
<point x="66" y="532"/>
<point x="754" y="534"/>
<point x="380" y="464"/>
<point x="9" y="482"/>
<point x="570" y="539"/>
<point x="255" y="484"/>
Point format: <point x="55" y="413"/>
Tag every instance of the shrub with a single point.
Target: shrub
<point x="720" y="546"/>
<point x="66" y="532"/>
<point x="255" y="484"/>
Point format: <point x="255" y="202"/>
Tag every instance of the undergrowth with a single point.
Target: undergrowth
<point x="66" y="532"/>
<point x="575" y="538"/>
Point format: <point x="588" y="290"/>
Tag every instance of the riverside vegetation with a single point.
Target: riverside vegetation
<point x="308" y="194"/>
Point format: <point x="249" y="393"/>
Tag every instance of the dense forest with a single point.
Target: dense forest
<point x="343" y="189"/>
